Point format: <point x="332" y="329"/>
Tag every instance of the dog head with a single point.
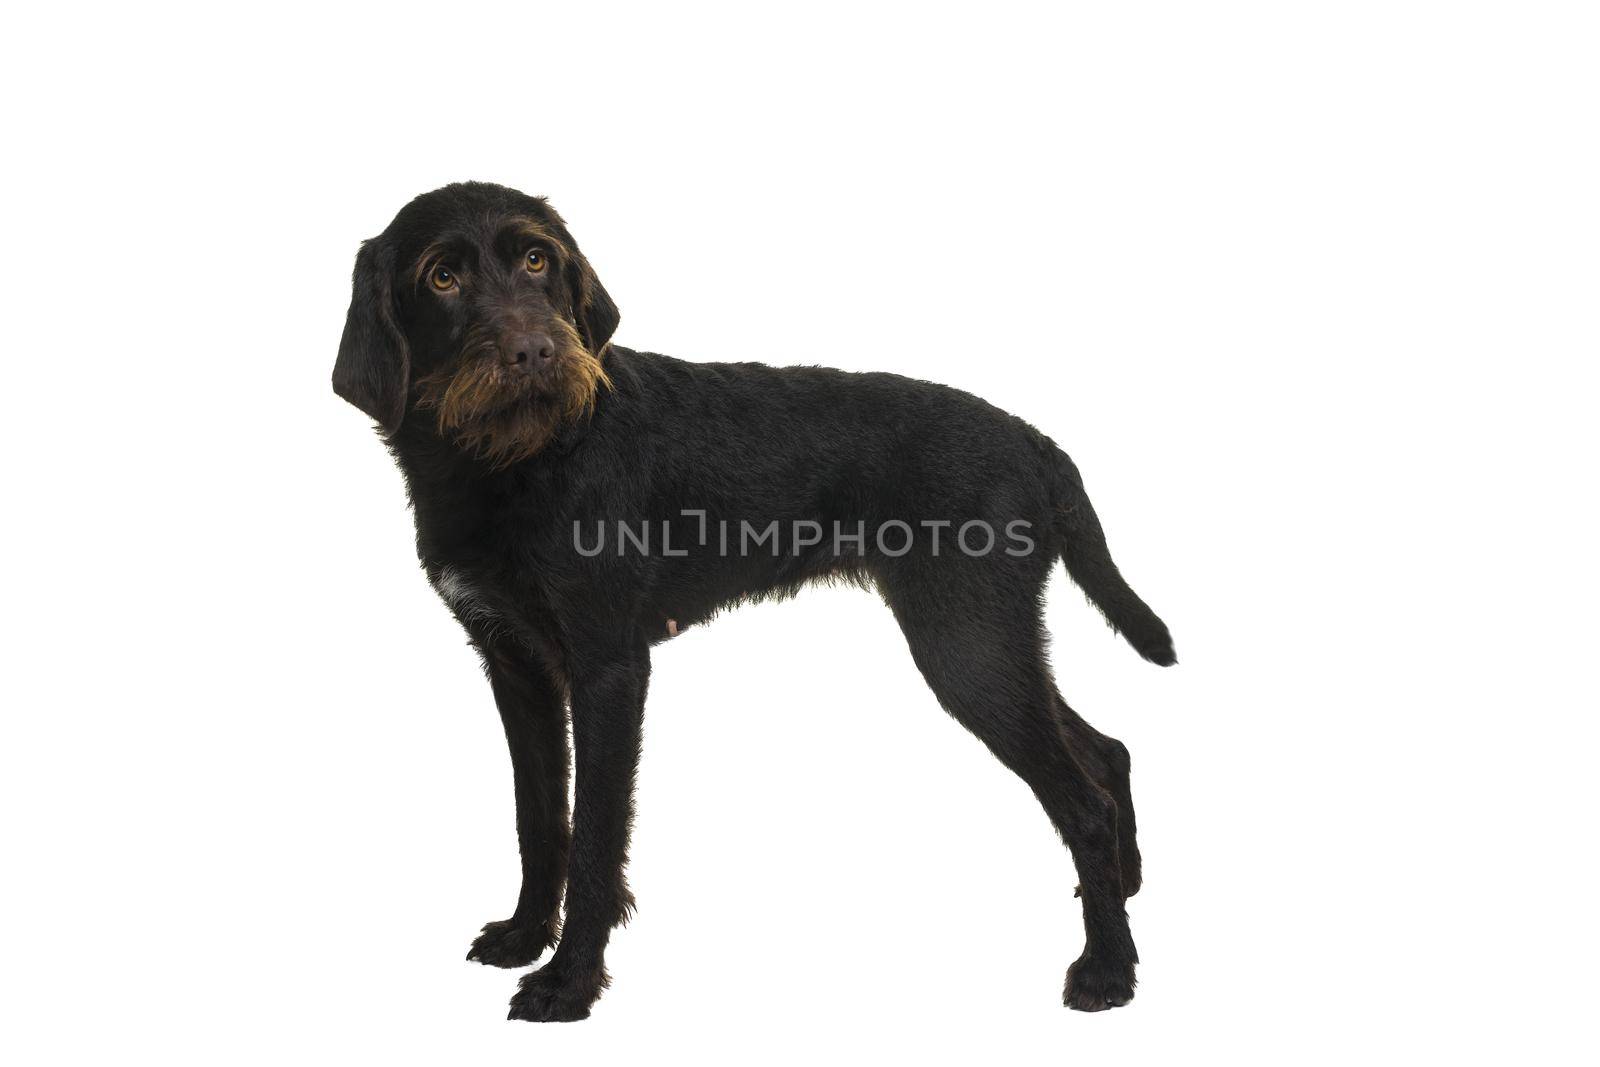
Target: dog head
<point x="476" y="309"/>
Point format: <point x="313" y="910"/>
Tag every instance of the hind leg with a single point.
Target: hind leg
<point x="985" y="662"/>
<point x="1106" y="760"/>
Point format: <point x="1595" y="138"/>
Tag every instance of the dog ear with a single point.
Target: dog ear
<point x="597" y="312"/>
<point x="592" y="306"/>
<point x="373" y="370"/>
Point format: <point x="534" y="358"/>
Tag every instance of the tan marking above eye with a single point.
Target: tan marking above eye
<point x="442" y="278"/>
<point x="537" y="260"/>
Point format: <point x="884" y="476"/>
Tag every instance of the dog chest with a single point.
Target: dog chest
<point x="464" y="598"/>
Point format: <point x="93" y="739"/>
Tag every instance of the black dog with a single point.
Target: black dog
<point x="577" y="502"/>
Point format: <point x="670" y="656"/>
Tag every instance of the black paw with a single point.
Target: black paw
<point x="1096" y="986"/>
<point x="504" y="944"/>
<point x="549" y="995"/>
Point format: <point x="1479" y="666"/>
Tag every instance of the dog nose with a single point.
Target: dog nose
<point x="527" y="350"/>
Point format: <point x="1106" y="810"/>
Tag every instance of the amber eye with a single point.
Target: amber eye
<point x="442" y="279"/>
<point x="536" y="260"/>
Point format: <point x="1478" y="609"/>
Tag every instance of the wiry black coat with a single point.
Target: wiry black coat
<point x="691" y="458"/>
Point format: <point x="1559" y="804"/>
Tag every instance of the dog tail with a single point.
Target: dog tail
<point x="1089" y="563"/>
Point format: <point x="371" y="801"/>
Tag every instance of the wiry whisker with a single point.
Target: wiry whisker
<point x="496" y="414"/>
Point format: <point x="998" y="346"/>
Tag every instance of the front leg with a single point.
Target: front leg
<point x="607" y="712"/>
<point x="534" y="716"/>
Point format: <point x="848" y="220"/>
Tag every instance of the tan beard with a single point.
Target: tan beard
<point x="500" y="416"/>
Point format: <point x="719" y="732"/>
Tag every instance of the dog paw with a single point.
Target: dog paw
<point x="505" y="944"/>
<point x="549" y="995"/>
<point x="1096" y="986"/>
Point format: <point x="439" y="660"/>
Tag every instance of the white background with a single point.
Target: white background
<point x="1308" y="291"/>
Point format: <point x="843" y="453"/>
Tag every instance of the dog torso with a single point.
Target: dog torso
<point x="746" y="444"/>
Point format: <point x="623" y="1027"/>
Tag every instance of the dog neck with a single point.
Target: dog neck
<point x="442" y="469"/>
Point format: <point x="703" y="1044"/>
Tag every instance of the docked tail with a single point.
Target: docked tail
<point x="1089" y="562"/>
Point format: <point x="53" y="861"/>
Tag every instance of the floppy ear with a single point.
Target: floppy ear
<point x="596" y="313"/>
<point x="373" y="370"/>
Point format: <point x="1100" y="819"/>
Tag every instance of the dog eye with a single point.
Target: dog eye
<point x="536" y="260"/>
<point x="442" y="279"/>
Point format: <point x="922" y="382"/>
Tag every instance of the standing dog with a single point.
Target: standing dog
<point x="577" y="502"/>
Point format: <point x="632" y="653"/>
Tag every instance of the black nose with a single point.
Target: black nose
<point x="527" y="350"/>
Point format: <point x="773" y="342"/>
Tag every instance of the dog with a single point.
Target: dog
<point x="577" y="503"/>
